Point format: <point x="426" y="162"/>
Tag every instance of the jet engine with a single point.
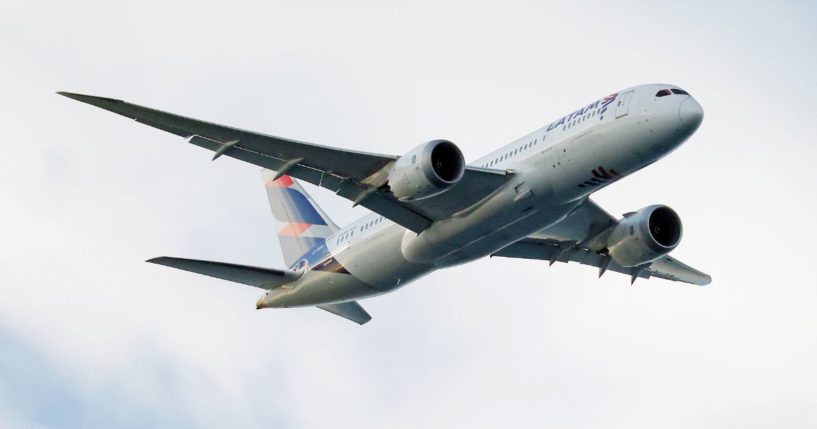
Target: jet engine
<point x="427" y="170"/>
<point x="644" y="236"/>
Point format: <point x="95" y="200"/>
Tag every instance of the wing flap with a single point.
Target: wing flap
<point x="350" y="310"/>
<point x="264" y="278"/>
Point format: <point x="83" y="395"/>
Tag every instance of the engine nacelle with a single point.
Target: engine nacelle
<point x="644" y="236"/>
<point x="427" y="170"/>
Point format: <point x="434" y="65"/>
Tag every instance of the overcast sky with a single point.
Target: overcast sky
<point x="91" y="336"/>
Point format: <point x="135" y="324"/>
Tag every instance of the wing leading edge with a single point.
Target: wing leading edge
<point x="357" y="176"/>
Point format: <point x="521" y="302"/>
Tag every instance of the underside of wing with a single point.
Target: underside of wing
<point x="672" y="269"/>
<point x="575" y="240"/>
<point x="557" y="251"/>
<point x="356" y="176"/>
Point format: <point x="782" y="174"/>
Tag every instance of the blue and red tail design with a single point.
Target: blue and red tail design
<point x="302" y="226"/>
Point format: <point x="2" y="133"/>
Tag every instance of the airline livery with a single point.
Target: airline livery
<point x="529" y="199"/>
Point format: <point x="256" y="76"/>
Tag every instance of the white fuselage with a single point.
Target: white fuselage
<point x="555" y="169"/>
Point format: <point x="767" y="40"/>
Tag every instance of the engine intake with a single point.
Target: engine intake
<point x="645" y="236"/>
<point x="427" y="170"/>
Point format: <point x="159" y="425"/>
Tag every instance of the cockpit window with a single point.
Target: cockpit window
<point x="663" y="93"/>
<point x="679" y="91"/>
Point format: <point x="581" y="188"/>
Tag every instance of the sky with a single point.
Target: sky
<point x="91" y="336"/>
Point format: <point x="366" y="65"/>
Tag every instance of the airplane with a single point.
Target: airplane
<point x="430" y="209"/>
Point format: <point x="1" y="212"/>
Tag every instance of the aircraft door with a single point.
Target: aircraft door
<point x="623" y="106"/>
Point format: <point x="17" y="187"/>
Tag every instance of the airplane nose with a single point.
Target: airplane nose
<point x="691" y="113"/>
<point x="260" y="303"/>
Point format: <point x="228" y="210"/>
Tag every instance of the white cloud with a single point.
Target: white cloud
<point x="87" y="196"/>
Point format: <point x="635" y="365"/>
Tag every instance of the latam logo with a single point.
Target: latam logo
<point x="603" y="103"/>
<point x="600" y="177"/>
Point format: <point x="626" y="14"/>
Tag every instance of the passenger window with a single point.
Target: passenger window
<point x="663" y="93"/>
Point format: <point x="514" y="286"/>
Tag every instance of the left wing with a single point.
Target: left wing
<point x="357" y="176"/>
<point x="569" y="240"/>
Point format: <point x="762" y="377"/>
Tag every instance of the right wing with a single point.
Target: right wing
<point x="357" y="176"/>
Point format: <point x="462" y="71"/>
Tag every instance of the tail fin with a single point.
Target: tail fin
<point x="302" y="226"/>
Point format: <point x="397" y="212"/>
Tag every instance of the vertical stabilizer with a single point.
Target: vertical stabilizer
<point x="302" y="226"/>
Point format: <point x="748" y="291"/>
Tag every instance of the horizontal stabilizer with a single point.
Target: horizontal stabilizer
<point x="348" y="310"/>
<point x="264" y="278"/>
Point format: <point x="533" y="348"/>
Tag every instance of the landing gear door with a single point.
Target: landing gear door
<point x="623" y="105"/>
